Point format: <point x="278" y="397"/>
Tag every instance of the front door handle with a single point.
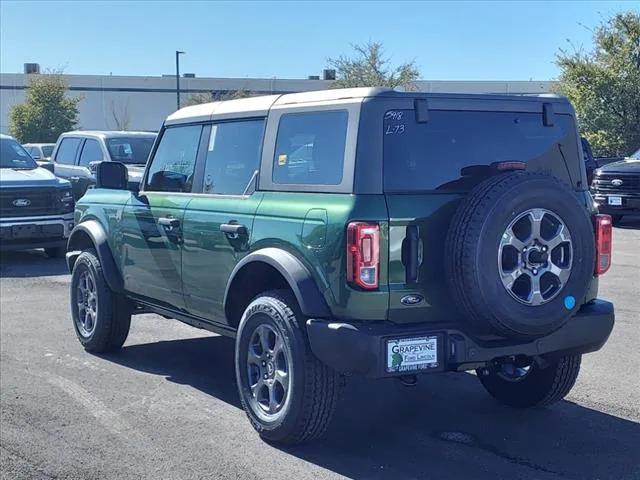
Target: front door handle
<point x="169" y="222"/>
<point x="235" y="229"/>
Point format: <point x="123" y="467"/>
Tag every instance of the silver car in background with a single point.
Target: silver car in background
<point x="77" y="154"/>
<point x="40" y="152"/>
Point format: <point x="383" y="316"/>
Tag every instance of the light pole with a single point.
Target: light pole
<point x="178" y="53"/>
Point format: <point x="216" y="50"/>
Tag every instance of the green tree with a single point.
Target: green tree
<point x="369" y="67"/>
<point x="604" y="85"/>
<point x="46" y="113"/>
<point x="207" y="97"/>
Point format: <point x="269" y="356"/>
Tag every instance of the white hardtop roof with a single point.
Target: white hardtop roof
<point x="261" y="105"/>
<point x="108" y="133"/>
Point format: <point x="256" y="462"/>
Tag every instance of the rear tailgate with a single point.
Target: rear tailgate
<point x="428" y="168"/>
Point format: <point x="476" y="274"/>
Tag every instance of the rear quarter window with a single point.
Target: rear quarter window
<point x="310" y="148"/>
<point x="453" y="147"/>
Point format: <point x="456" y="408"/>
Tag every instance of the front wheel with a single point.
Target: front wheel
<point x="101" y="317"/>
<point x="287" y="393"/>
<point x="529" y="385"/>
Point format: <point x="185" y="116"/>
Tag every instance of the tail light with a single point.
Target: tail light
<point x="363" y="254"/>
<point x="603" y="243"/>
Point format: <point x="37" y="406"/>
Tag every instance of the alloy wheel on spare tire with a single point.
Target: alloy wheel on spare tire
<point x="287" y="393"/>
<point x="520" y="254"/>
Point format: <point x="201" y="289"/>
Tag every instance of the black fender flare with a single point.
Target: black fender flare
<point x="311" y="301"/>
<point x="98" y="236"/>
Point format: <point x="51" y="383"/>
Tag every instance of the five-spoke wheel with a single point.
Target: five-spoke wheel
<point x="535" y="256"/>
<point x="268" y="369"/>
<point x="87" y="303"/>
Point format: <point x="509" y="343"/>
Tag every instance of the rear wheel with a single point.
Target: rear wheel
<point x="287" y="393"/>
<point x="101" y="317"/>
<point x="528" y="385"/>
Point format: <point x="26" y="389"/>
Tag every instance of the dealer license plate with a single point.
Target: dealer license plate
<point x="615" y="201"/>
<point x="410" y="354"/>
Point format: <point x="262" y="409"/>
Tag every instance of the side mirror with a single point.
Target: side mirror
<point x="168" y="181"/>
<point x="111" y="175"/>
<point x="133" y="186"/>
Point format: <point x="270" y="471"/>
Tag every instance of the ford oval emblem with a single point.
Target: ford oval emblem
<point x="413" y="299"/>
<point x="616" y="182"/>
<point x="21" y="202"/>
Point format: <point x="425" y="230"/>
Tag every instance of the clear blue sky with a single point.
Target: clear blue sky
<point x="449" y="41"/>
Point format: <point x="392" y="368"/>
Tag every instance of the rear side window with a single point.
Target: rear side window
<point x="66" y="153"/>
<point x="172" y="167"/>
<point x="233" y="156"/>
<point x="310" y="148"/>
<point x="454" y="146"/>
<point x="91" y="152"/>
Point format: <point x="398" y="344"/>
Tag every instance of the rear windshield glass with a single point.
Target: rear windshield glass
<point x="452" y="147"/>
<point x="130" y="149"/>
<point x="47" y="150"/>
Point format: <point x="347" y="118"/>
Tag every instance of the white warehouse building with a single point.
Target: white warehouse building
<point x="110" y="102"/>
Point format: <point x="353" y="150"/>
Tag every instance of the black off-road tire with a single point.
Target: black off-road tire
<point x="471" y="255"/>
<point x="55" y="252"/>
<point x="313" y="387"/>
<point x="540" y="387"/>
<point x="113" y="318"/>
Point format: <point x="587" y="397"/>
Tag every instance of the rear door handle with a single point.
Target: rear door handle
<point x="233" y="229"/>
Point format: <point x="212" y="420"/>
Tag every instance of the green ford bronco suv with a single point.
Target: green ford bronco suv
<point x="356" y="232"/>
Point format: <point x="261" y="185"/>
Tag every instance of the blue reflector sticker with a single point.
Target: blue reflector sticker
<point x="569" y="302"/>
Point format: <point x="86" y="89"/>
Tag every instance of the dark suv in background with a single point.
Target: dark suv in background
<point x="36" y="208"/>
<point x="616" y="187"/>
<point x="356" y="232"/>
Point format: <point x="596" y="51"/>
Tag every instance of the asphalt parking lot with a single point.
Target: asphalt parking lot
<point x="166" y="405"/>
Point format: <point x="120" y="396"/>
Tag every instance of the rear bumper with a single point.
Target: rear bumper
<point x="360" y="348"/>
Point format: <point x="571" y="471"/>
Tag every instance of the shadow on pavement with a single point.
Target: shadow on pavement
<point x="30" y="263"/>
<point x="445" y="427"/>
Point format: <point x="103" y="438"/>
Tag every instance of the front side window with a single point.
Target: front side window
<point x="310" y="148"/>
<point x="233" y="156"/>
<point x="91" y="152"/>
<point x="132" y="150"/>
<point x="67" y="150"/>
<point x="172" y="167"/>
<point x="12" y="155"/>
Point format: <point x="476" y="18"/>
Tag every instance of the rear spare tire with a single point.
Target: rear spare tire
<point x="520" y="255"/>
